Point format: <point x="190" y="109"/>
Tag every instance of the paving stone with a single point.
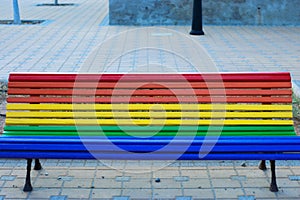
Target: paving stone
<point x="221" y="173"/>
<point x="77" y="193"/>
<point x="59" y="197"/>
<point x="225" y="183"/>
<point x="65" y="178"/>
<point x="194" y="173"/>
<point x="138" y="193"/>
<point x="108" y="173"/>
<point x="246" y="198"/>
<point x="165" y="173"/>
<point x="294" y="178"/>
<point x="48" y="182"/>
<point x="123" y="178"/>
<point x="196" y="183"/>
<point x="82" y="173"/>
<point x="166" y="183"/>
<point x="181" y="178"/>
<point x="288" y="193"/>
<point x="7" y="178"/>
<point x="13" y="193"/>
<point x="121" y="198"/>
<point x="239" y="178"/>
<point x="137" y="183"/>
<point x="227" y="193"/>
<point x="105" y="193"/>
<point x="184" y="198"/>
<point x="260" y="192"/>
<point x="166" y="193"/>
<point x="79" y="183"/>
<point x="17" y="183"/>
<point x="107" y="183"/>
<point x="254" y="182"/>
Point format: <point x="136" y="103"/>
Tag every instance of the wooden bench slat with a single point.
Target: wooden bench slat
<point x="255" y="76"/>
<point x="258" y="147"/>
<point x="143" y="122"/>
<point x="153" y="107"/>
<point x="149" y="99"/>
<point x="245" y="128"/>
<point x="147" y="85"/>
<point x="147" y="134"/>
<point x="117" y="156"/>
<point x="157" y="114"/>
<point x="142" y="147"/>
<point x="230" y="140"/>
<point x="147" y="92"/>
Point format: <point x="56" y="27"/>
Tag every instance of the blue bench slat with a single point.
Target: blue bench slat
<point x="224" y="144"/>
<point x="131" y="156"/>
<point x="193" y="148"/>
<point x="239" y="140"/>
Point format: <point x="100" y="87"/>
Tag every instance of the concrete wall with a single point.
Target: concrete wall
<point x="215" y="12"/>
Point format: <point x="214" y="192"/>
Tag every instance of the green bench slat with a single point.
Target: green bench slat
<point x="149" y="128"/>
<point x="149" y="131"/>
<point x="47" y="133"/>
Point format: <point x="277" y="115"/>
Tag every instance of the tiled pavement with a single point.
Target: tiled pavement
<point x="148" y="180"/>
<point x="78" y="39"/>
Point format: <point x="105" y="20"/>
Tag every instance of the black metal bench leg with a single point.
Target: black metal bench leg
<point x="27" y="186"/>
<point x="273" y="186"/>
<point x="37" y="165"/>
<point x="262" y="165"/>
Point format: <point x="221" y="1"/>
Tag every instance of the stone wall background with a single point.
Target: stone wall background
<point x="215" y="12"/>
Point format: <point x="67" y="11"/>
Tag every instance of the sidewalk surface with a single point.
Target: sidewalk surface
<point x="78" y="39"/>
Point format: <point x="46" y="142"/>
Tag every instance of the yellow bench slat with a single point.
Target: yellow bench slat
<point x="155" y="114"/>
<point x="142" y="122"/>
<point x="86" y="107"/>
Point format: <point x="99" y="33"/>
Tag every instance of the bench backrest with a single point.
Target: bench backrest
<point x="143" y="104"/>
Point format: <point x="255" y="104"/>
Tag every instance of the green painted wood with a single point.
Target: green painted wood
<point x="159" y="133"/>
<point x="149" y="128"/>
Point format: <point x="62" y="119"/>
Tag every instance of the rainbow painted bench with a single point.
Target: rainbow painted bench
<point x="225" y="116"/>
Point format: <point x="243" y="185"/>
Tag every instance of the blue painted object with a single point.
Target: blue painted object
<point x="160" y="148"/>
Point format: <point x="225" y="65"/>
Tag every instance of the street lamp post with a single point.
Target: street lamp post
<point x="197" y="27"/>
<point x="17" y="19"/>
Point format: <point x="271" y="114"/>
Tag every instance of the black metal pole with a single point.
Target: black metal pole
<point x="197" y="27"/>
